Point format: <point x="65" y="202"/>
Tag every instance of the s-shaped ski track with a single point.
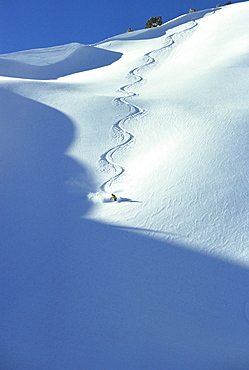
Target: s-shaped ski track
<point x="107" y="158"/>
<point x="118" y="127"/>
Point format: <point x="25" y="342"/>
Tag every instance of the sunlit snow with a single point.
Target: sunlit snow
<point x="159" y="278"/>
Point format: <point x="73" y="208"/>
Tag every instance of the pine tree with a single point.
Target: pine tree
<point x="154" y="22"/>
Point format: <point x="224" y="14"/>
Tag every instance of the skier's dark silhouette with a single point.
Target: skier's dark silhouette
<point x="114" y="197"/>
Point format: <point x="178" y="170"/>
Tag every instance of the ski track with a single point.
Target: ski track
<point x="135" y="111"/>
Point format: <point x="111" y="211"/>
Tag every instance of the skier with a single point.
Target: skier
<point x="114" y="197"/>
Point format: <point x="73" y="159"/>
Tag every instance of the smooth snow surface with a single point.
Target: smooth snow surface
<point x="58" y="61"/>
<point x="158" y="279"/>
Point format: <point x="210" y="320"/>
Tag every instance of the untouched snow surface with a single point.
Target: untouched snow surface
<point x="158" y="279"/>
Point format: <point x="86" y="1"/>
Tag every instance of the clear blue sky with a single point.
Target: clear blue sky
<point x="28" y="24"/>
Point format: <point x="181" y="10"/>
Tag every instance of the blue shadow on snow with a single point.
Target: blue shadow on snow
<point x="52" y="63"/>
<point x="79" y="294"/>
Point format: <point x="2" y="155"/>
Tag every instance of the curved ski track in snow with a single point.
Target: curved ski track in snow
<point x="118" y="127"/>
<point x="128" y="137"/>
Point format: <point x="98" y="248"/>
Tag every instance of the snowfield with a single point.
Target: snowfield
<point x="158" y="279"/>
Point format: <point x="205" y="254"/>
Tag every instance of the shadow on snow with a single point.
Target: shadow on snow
<point x="80" y="294"/>
<point x="51" y="63"/>
<point x="150" y="33"/>
<point x="121" y="199"/>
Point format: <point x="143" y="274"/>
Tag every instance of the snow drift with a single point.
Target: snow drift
<point x="54" y="62"/>
<point x="159" y="279"/>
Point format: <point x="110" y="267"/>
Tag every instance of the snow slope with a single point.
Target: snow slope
<point x="159" y="279"/>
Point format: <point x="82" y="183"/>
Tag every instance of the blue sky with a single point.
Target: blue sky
<point x="29" y="24"/>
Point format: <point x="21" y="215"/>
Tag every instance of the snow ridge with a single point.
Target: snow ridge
<point x="118" y="129"/>
<point x="158" y="279"/>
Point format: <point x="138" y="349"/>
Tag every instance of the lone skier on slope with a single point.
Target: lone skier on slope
<point x="114" y="197"/>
